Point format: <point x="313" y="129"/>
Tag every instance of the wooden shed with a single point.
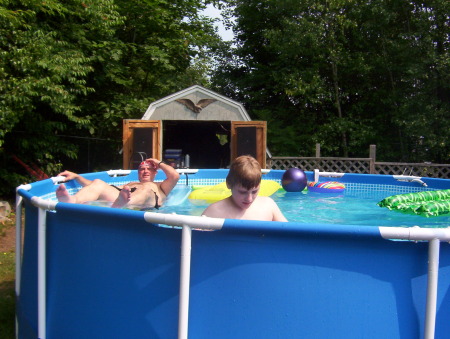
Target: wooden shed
<point x="195" y="128"/>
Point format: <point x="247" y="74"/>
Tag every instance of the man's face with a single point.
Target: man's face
<point x="146" y="173"/>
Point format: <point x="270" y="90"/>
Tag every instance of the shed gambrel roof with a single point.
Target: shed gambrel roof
<point x="224" y="109"/>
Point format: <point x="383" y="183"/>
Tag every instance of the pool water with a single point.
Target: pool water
<point x="353" y="207"/>
<point x="348" y="210"/>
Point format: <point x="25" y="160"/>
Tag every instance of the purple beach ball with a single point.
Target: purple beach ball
<point x="294" y="180"/>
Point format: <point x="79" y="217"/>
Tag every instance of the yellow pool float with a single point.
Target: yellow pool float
<point x="210" y="194"/>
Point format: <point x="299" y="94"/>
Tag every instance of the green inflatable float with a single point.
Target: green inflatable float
<point x="427" y="203"/>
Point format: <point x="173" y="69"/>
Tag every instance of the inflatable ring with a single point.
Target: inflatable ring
<point x="426" y="203"/>
<point x="326" y="187"/>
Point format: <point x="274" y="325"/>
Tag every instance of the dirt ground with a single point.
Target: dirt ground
<point x="8" y="234"/>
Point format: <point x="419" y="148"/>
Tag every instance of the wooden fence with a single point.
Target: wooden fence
<point x="360" y="165"/>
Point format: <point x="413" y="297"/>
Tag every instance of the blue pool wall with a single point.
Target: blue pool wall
<point x="111" y="274"/>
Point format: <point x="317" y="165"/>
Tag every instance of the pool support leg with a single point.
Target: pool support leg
<point x="185" y="274"/>
<point x="433" y="271"/>
<point x="19" y="202"/>
<point x="42" y="273"/>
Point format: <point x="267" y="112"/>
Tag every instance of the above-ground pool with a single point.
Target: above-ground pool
<point x="87" y="271"/>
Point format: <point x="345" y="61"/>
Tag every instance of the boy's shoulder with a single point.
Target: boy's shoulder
<point x="219" y="209"/>
<point x="263" y="200"/>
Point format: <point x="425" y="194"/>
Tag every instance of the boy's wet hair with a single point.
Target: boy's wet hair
<point x="245" y="171"/>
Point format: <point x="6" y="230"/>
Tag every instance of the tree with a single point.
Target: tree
<point x="72" y="70"/>
<point x="44" y="74"/>
<point x="344" y="74"/>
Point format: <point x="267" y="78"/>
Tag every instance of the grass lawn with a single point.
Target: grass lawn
<point x="7" y="278"/>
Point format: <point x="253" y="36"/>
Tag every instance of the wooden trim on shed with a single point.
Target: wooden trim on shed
<point x="260" y="143"/>
<point x="129" y="126"/>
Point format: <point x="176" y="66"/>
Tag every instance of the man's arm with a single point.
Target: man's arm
<point x="172" y="175"/>
<point x="71" y="176"/>
<point x="171" y="180"/>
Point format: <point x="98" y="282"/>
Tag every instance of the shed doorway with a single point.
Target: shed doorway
<point x="209" y="144"/>
<point x="206" y="142"/>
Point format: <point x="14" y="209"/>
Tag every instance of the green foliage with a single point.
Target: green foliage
<point x="72" y="71"/>
<point x="345" y="74"/>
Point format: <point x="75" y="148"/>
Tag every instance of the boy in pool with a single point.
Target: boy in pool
<point x="244" y="181"/>
<point x="145" y="193"/>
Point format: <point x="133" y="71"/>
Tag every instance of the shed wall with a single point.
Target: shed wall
<point x="217" y="111"/>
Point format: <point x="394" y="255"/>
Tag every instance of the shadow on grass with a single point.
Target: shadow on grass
<point x="7" y="295"/>
<point x="7" y="309"/>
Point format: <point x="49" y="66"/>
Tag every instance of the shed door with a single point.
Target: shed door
<point x="249" y="138"/>
<point x="141" y="140"/>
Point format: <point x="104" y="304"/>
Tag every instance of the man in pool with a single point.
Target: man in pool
<point x="145" y="193"/>
<point x="244" y="179"/>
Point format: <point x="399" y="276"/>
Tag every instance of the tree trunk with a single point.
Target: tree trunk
<point x="337" y="102"/>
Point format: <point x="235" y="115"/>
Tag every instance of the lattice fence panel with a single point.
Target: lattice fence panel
<point x="343" y="165"/>
<point x="360" y="165"/>
<point x="420" y="170"/>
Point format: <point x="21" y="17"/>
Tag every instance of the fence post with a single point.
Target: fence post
<point x="372" y="156"/>
<point x="317" y="150"/>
